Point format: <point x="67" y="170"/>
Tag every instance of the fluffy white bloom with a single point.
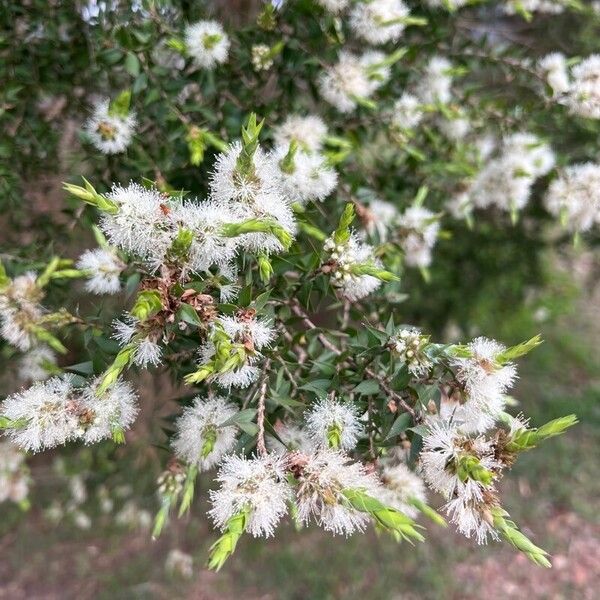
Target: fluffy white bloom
<point x="401" y="487"/>
<point x="113" y="411"/>
<point x="435" y="85"/>
<point x="373" y="62"/>
<point x="32" y="363"/>
<point x="419" y="230"/>
<point x="14" y="474"/>
<point x="46" y="414"/>
<point x="443" y="447"/>
<point x="379" y="217"/>
<point x="330" y="420"/>
<point x="257" y="195"/>
<point x="446" y="4"/>
<point x="408" y="345"/>
<point x="147" y="350"/>
<point x="554" y="68"/>
<point x="20" y="311"/>
<point x="207" y="43"/>
<point x="111" y="133"/>
<point x="551" y="7"/>
<point x="341" y="84"/>
<point x="407" y="112"/>
<point x="200" y="439"/>
<point x="485" y="383"/>
<point x="344" y="260"/>
<point x="456" y="128"/>
<point x="537" y="157"/>
<point x="584" y="97"/>
<point x="473" y="518"/>
<point x="179" y="563"/>
<point x="379" y="21"/>
<point x="247" y="330"/>
<point x="306" y="177"/>
<point x="322" y="480"/>
<point x="104" y="267"/>
<point x="258" y="485"/>
<point x="575" y="196"/>
<point x="293" y="438"/>
<point x="460" y="205"/>
<point x="334" y="6"/>
<point x="308" y="132"/>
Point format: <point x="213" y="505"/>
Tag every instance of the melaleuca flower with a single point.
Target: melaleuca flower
<point x="108" y="130"/>
<point x="584" y="96"/>
<point x="36" y="364"/>
<point x="348" y="82"/>
<point x="574" y="196"/>
<point x="350" y="264"/>
<point x="457" y="465"/>
<point x="456" y="128"/>
<point x="308" y="132"/>
<point x="334" y="424"/>
<point x="553" y="67"/>
<point x="262" y="58"/>
<point x="551" y="7"/>
<point x="334" y="6"/>
<point x="323" y="477"/>
<point x="304" y="177"/>
<point x="418" y="229"/>
<point x="379" y="21"/>
<point x="402" y="488"/>
<point x="110" y="413"/>
<point x="201" y="439"/>
<point x="20" y="310"/>
<point x="407" y="112"/>
<point x="14" y="474"/>
<point x="435" y="85"/>
<point x="460" y="206"/>
<point x="379" y="217"/>
<point x="257" y="487"/>
<point x="45" y="415"/>
<point x="446" y="4"/>
<point x="179" y="564"/>
<point x="103" y="268"/>
<point x="506" y="181"/>
<point x="473" y="517"/>
<point x="374" y="64"/>
<point x="409" y="346"/>
<point x="484" y="381"/>
<point x="252" y="192"/>
<point x="207" y="43"/>
<point x="230" y="354"/>
<point x="293" y="438"/>
<point x="146" y="349"/>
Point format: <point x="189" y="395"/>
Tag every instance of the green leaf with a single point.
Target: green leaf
<point x="400" y="425"/>
<point x="368" y="387"/>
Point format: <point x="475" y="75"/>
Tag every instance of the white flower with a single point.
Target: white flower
<point x="323" y="477"/>
<point x="309" y="132"/>
<point x="147" y="350"/>
<point x="14" y="474"/>
<point x="247" y="330"/>
<point x="473" y="518"/>
<point x="554" y="68"/>
<point x="456" y="128"/>
<point x="45" y="415"/>
<point x="379" y="21"/>
<point x="485" y="383"/>
<point x="20" y="311"/>
<point x="435" y="85"/>
<point x="113" y="411"/>
<point x="552" y="7"/>
<point x="258" y="485"/>
<point x="110" y="132"/>
<point x="256" y="195"/>
<point x="409" y="344"/>
<point x="306" y="178"/>
<point x="537" y="157"/>
<point x="443" y="447"/>
<point x="419" y="230"/>
<point x="446" y="4"/>
<point x="378" y="217"/>
<point x="344" y="260"/>
<point x="329" y="420"/>
<point x="341" y="84"/>
<point x="407" y="112"/>
<point x="32" y="365"/>
<point x="207" y="43"/>
<point x="334" y="6"/>
<point x="179" y="563"/>
<point x="584" y="96"/>
<point x="104" y="267"/>
<point x="261" y="61"/>
<point x="460" y="206"/>
<point x="575" y="196"/>
<point x="292" y="438"/>
<point x="401" y="487"/>
<point x="201" y="439"/>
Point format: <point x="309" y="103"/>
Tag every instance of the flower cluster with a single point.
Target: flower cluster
<point x="110" y="127"/>
<point x="14" y="474"/>
<point x="418" y="230"/>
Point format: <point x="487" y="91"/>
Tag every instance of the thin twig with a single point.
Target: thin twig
<point x="260" y="416"/>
